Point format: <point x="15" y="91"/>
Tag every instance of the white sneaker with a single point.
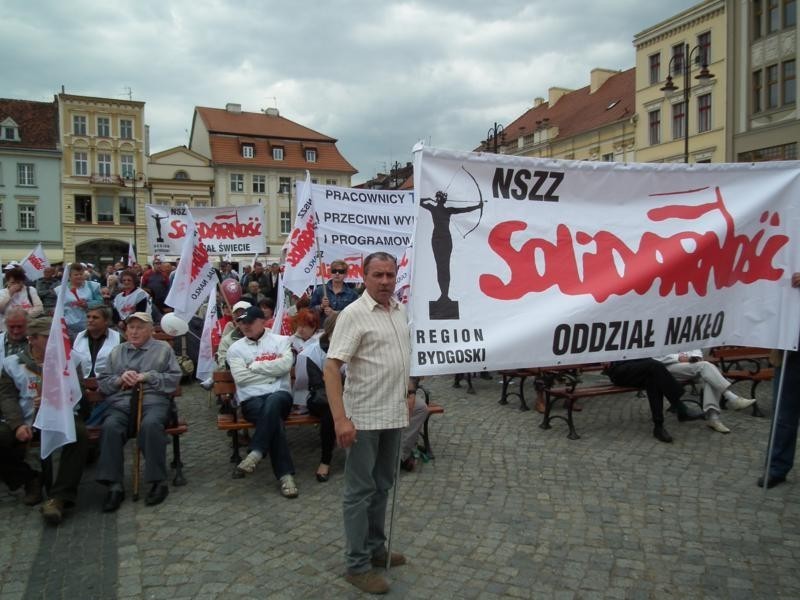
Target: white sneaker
<point x="288" y="487"/>
<point x="248" y="465"/>
<point x="717" y="425"/>
<point x="739" y="403"/>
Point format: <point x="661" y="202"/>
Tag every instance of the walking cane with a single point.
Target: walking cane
<point x="773" y="426"/>
<point x="137" y="455"/>
<point x="394" y="501"/>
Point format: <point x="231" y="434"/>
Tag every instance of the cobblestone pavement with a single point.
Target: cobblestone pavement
<point x="506" y="510"/>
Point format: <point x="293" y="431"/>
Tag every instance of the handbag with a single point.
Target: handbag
<point x="316" y="385"/>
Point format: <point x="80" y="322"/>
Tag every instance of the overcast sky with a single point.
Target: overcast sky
<point x="376" y="75"/>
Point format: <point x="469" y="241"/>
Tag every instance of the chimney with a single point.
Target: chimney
<point x="272" y="112"/>
<point x="538" y="101"/>
<point x="554" y="93"/>
<point x="598" y="78"/>
<point x="233" y="108"/>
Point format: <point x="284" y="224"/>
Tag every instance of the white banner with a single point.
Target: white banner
<point x="525" y="262"/>
<point x="206" y="365"/>
<point x="194" y="278"/>
<point x="224" y="230"/>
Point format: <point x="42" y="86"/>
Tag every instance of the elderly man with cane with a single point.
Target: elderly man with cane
<point x="140" y="374"/>
<point x="369" y="414"/>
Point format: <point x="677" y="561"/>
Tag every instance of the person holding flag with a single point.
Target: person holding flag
<point x="23" y="381"/>
<point x="18" y="293"/>
<point x="130" y="299"/>
<point x="78" y="296"/>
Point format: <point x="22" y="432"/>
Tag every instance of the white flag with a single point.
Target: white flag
<point x="35" y="263"/>
<point x="301" y="265"/>
<point x="131" y="255"/>
<point x="61" y="390"/>
<point x="205" y="358"/>
<point x="195" y="277"/>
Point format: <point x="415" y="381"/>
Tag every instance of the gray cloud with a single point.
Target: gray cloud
<point x="376" y="75"/>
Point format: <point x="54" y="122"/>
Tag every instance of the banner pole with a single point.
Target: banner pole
<point x="775" y="410"/>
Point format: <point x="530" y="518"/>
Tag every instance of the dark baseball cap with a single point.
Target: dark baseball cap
<point x="251" y="314"/>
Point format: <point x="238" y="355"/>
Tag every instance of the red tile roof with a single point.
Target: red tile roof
<point x="228" y="131"/>
<point x="37" y="122"/>
<point x="579" y="111"/>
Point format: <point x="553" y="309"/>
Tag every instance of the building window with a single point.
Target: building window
<point x="678" y="120"/>
<point x="758" y="84"/>
<point x="330" y="182"/>
<point x="314" y="180"/>
<point x="277" y="153"/>
<point x="704" y="45"/>
<point x="181" y="175"/>
<point x="773" y="15"/>
<point x="772" y="86"/>
<point x="104" y="164"/>
<point x="704" y="113"/>
<point x="27" y="217"/>
<point x="284" y="185"/>
<point x="2" y="223"/>
<point x="25" y="174"/>
<point x="248" y="151"/>
<point x="83" y="209"/>
<point x="758" y="14"/>
<point x="81" y="162"/>
<point x="200" y="203"/>
<point x="127" y="210"/>
<point x="126" y="162"/>
<point x="789" y="13"/>
<point x="607" y="157"/>
<point x="237" y="182"/>
<point x="655" y="68"/>
<point x="103" y="127"/>
<point x="789" y="82"/>
<point x="286" y="222"/>
<point x="782" y="152"/>
<point x="311" y="156"/>
<point x="677" y="59"/>
<point x="78" y="125"/>
<point x="11" y="133"/>
<point x="259" y="184"/>
<point x="105" y="209"/>
<point x="654" y="124"/>
<point x="126" y="129"/>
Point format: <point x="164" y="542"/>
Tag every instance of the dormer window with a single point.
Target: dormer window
<point x="248" y="150"/>
<point x="277" y="153"/>
<point x="311" y="155"/>
<point x="9" y="130"/>
<point x="181" y="175"/>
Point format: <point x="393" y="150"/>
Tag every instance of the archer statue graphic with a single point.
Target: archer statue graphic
<point x="444" y="308"/>
<point x="158" y="218"/>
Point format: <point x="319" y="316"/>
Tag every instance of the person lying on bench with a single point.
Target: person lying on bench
<point x="152" y="363"/>
<point x="653" y="377"/>
<point x="260" y="364"/>
<point x="690" y="366"/>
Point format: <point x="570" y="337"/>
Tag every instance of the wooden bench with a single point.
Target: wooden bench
<point x="230" y="419"/>
<point x="743" y="363"/>
<point x="176" y="427"/>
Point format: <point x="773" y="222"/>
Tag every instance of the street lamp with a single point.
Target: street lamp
<point x="492" y="136"/>
<point x="686" y="68"/>
<point x="131" y="176"/>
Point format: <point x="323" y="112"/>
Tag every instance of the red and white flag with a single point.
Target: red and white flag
<point x="61" y="390"/>
<point x="206" y="365"/>
<point x="131" y="255"/>
<point x="35" y="263"/>
<point x="194" y="278"/>
<point x="300" y="268"/>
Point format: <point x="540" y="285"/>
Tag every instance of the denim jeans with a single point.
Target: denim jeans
<point x="268" y="414"/>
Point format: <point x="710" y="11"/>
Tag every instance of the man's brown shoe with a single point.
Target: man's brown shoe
<point x="371" y="582"/>
<point x="33" y="491"/>
<point x="397" y="560"/>
<point x="53" y="511"/>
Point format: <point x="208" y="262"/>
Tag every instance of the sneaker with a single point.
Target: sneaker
<point x="379" y="560"/>
<point x="739" y="403"/>
<point x="53" y="511"/>
<point x="33" y="491"/>
<point x="371" y="582"/>
<point x="248" y="465"/>
<point x="207" y="384"/>
<point x="288" y="487"/>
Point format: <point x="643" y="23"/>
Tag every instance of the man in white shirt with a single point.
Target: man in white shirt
<point x="369" y="414"/>
<point x="260" y="363"/>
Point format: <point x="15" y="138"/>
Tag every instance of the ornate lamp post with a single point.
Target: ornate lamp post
<point x="686" y="69"/>
<point x="492" y="136"/>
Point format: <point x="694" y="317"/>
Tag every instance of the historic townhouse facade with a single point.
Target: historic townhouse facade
<point x="30" y="179"/>
<point x="592" y="123"/>
<point x="258" y="157"/>
<point x="692" y="39"/>
<point x="764" y="121"/>
<point x="104" y="144"/>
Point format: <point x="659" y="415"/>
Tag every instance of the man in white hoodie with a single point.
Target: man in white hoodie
<point x="690" y="366"/>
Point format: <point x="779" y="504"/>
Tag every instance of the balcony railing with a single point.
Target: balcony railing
<point x="106" y="179"/>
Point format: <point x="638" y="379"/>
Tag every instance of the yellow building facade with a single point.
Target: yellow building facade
<point x="104" y="143"/>
<point x="689" y="40"/>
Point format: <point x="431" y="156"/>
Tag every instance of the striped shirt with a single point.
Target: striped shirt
<point x="375" y="345"/>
